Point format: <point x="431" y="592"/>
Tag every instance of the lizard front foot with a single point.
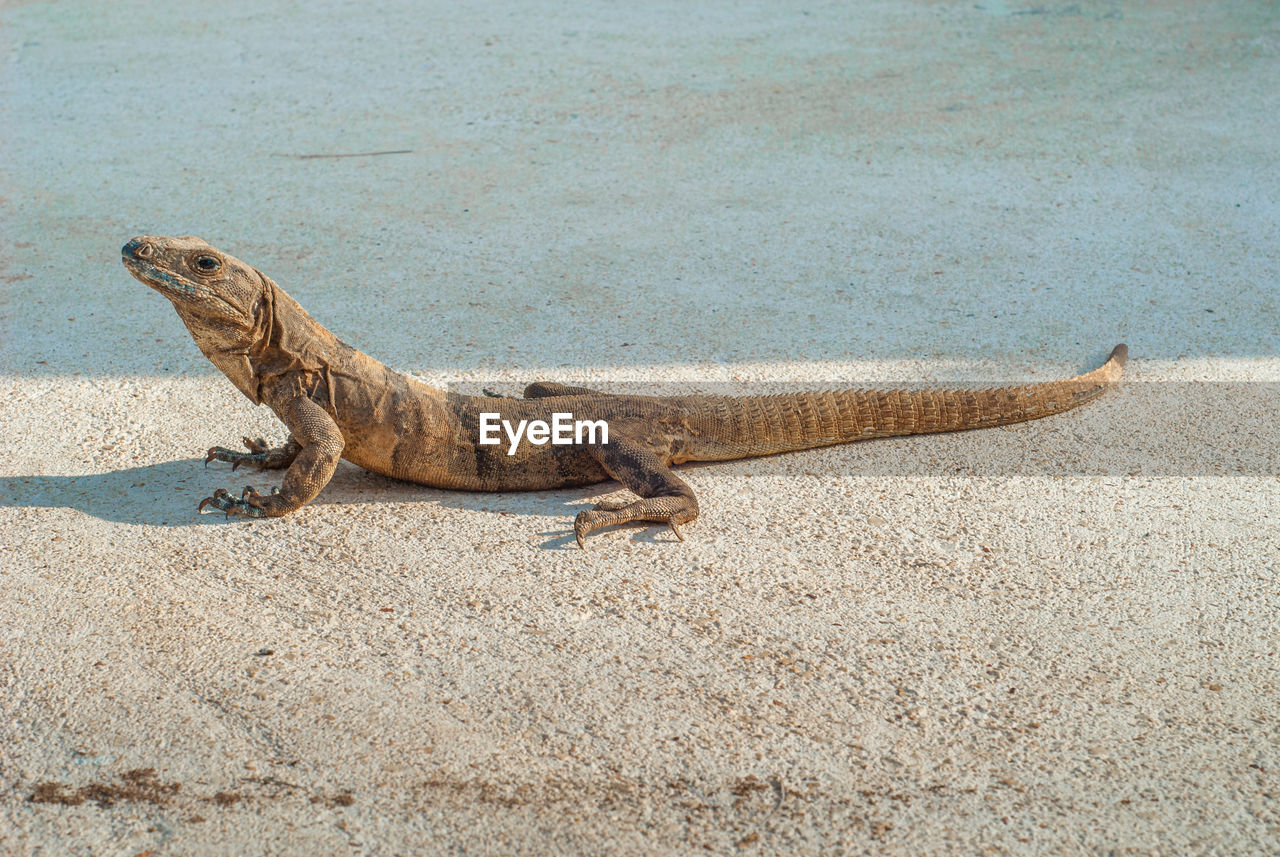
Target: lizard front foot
<point x="257" y="454"/>
<point x="249" y="504"/>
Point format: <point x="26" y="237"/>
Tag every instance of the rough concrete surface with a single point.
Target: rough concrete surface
<point x="1059" y="638"/>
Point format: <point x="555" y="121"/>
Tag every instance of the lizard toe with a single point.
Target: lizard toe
<point x="254" y="444"/>
<point x="250" y="496"/>
<point x="585" y="523"/>
<point x="223" y="501"/>
<point x="235" y="458"/>
<point x="219" y="498"/>
<point x="245" y="510"/>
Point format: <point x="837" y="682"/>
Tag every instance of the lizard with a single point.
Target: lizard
<point x="338" y="402"/>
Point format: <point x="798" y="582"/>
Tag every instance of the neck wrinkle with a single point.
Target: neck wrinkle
<point x="287" y="340"/>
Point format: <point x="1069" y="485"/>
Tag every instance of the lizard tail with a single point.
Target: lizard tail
<point x="728" y="428"/>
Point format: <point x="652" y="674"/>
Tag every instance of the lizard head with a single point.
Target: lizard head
<point x="228" y="307"/>
<point x="203" y="283"/>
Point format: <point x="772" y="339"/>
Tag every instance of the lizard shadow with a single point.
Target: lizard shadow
<point x="1107" y="444"/>
<point x="166" y="494"/>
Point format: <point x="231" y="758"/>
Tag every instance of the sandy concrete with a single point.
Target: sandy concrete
<point x="1057" y="638"/>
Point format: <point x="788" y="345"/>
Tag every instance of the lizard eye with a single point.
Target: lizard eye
<point x="207" y="264"/>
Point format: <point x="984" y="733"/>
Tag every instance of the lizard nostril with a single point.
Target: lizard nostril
<point x="145" y="250"/>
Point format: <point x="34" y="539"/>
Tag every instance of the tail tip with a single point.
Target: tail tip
<point x="1119" y="354"/>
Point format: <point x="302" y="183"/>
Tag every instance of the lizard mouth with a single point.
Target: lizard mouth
<point x="139" y="256"/>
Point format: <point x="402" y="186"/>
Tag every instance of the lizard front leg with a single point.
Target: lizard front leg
<point x="320" y="445"/>
<point x="664" y="497"/>
<point x="267" y="458"/>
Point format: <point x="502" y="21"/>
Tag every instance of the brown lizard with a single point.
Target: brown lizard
<point x="337" y="402"/>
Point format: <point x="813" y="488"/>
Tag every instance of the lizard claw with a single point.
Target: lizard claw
<point x="582" y="527"/>
<point x="257" y="453"/>
<point x="217" y="496"/>
<point x="249" y="504"/>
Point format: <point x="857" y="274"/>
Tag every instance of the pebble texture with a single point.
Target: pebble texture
<point x="1059" y="637"/>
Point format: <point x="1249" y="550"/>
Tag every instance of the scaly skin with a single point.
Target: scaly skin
<point x="340" y="403"/>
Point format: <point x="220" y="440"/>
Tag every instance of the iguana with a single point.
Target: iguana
<point x="338" y="402"/>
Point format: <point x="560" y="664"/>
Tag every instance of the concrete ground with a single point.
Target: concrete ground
<point x="1059" y="638"/>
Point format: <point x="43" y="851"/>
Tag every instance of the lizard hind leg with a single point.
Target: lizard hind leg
<point x="664" y="497"/>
